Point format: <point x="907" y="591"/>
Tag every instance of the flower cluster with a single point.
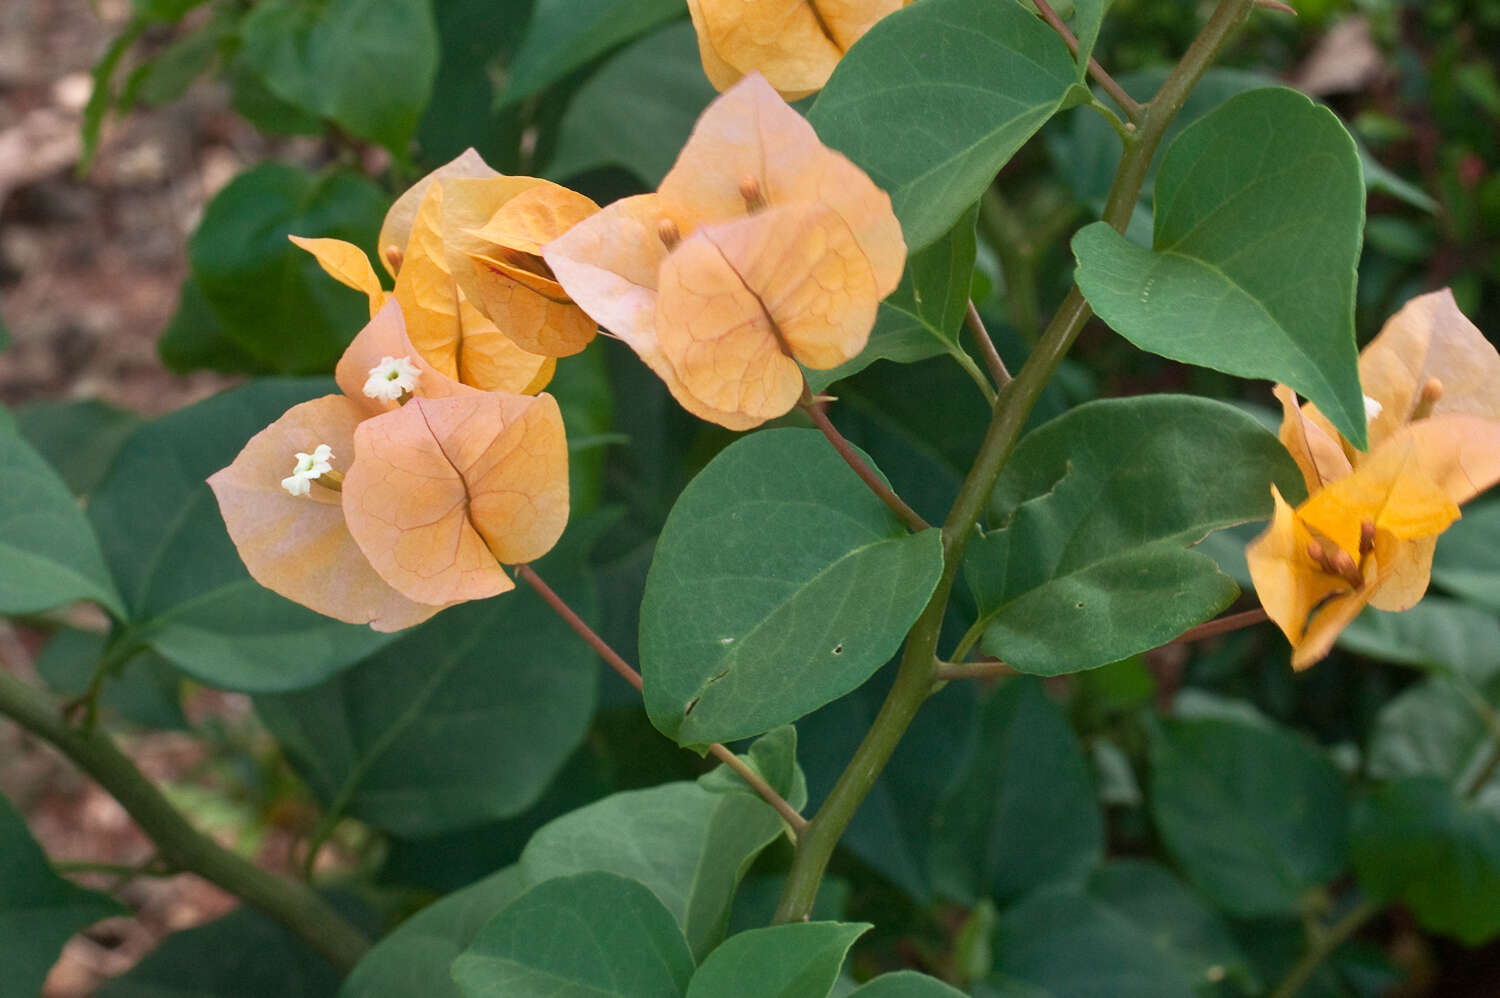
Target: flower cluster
<point x="441" y="484"/>
<point x="762" y="249"/>
<point x="439" y="463"/>
<point x="1366" y="534"/>
<point x="795" y="46"/>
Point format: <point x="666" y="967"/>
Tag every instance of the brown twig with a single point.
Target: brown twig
<point x="1133" y="109"/>
<point x="897" y="505"/>
<point x="612" y="658"/>
<point x="1222" y="625"/>
<point x="992" y="359"/>
<point x="1285" y="8"/>
<point x="982" y="668"/>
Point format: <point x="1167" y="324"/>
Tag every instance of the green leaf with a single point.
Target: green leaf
<point x="250" y="97"/>
<point x="185" y="589"/>
<point x="1254" y="816"/>
<point x="1066" y="944"/>
<point x="244" y="954"/>
<point x="1020" y="812"/>
<point x="1088" y="17"/>
<point x="464" y="719"/>
<point x="474" y="35"/>
<point x="271" y="299"/>
<point x="147" y="691"/>
<point x="636" y="111"/>
<point x="1097" y="507"/>
<point x="690" y="845"/>
<point x="48" y="554"/>
<point x="774" y="757"/>
<point x="195" y="339"/>
<point x="1415" y="841"/>
<point x="1181" y="926"/>
<point x="565" y="34"/>
<point x="799" y="960"/>
<point x="905" y="984"/>
<point x="1435" y="729"/>
<point x="1467" y="561"/>
<point x="39" y="910"/>
<point x="921" y="318"/>
<point x="593" y="934"/>
<point x="1438" y="633"/>
<point x="892" y="830"/>
<point x="779" y="583"/>
<point x="79" y="438"/>
<point x="1259" y="214"/>
<point x="415" y="957"/>
<point x="937" y="97"/>
<point x="367" y="65"/>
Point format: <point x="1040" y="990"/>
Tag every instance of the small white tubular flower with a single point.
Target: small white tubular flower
<point x="309" y="466"/>
<point x="1372" y="408"/>
<point x="392" y="378"/>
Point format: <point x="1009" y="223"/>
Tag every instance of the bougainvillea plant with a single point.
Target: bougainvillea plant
<point x="758" y="405"/>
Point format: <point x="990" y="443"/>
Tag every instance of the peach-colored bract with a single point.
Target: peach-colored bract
<point x="761" y="250"/>
<point x="443" y="490"/>
<point x="298" y="546"/>
<point x="795" y="44"/>
<point x="480" y="303"/>
<point x="1367" y="532"/>
<point x="429" y="486"/>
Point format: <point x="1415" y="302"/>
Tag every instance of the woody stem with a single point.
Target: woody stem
<point x="919" y="663"/>
<point x="612" y="658"/>
<point x="290" y="902"/>
<point x="1132" y="108"/>
<point x="868" y="475"/>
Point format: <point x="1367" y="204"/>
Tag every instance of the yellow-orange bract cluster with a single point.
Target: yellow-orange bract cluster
<point x="439" y="462"/>
<point x="794" y="43"/>
<point x="439" y="486"/>
<point x="463" y="246"/>
<point x="1367" y="532"/>
<point x="761" y="249"/>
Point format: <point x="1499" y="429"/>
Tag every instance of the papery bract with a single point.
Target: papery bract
<point x="761" y="249"/>
<point x="299" y="546"/>
<point x="489" y="466"/>
<point x="443" y="490"/>
<point x="1367" y="532"/>
<point x="494" y="230"/>
<point x="795" y="44"/>
<point x="479" y="302"/>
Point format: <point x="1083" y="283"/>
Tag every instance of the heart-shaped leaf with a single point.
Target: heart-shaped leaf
<point x="780" y="582"/>
<point x="1259" y="216"/>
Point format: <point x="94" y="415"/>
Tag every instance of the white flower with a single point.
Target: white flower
<point x="308" y="467"/>
<point x="392" y="378"/>
<point x="1372" y="408"/>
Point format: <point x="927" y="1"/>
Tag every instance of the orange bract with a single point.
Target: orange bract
<point x="427" y="471"/>
<point x="443" y="490"/>
<point x="762" y="249"/>
<point x="299" y="546"/>
<point x="795" y="44"/>
<point x="480" y="303"/>
<point x="1367" y="532"/>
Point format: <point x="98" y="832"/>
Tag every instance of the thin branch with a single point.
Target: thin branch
<point x="1322" y="945"/>
<point x="851" y="457"/>
<point x="1222" y="625"/>
<point x="983" y="668"/>
<point x="289" y="902"/>
<point x="1133" y="109"/>
<point x="767" y="792"/>
<point x="1285" y="8"/>
<point x="612" y="658"/>
<point x="987" y="349"/>
<point x="601" y="647"/>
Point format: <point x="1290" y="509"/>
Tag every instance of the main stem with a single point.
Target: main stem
<point x="919" y="663"/>
<point x="290" y="902"/>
